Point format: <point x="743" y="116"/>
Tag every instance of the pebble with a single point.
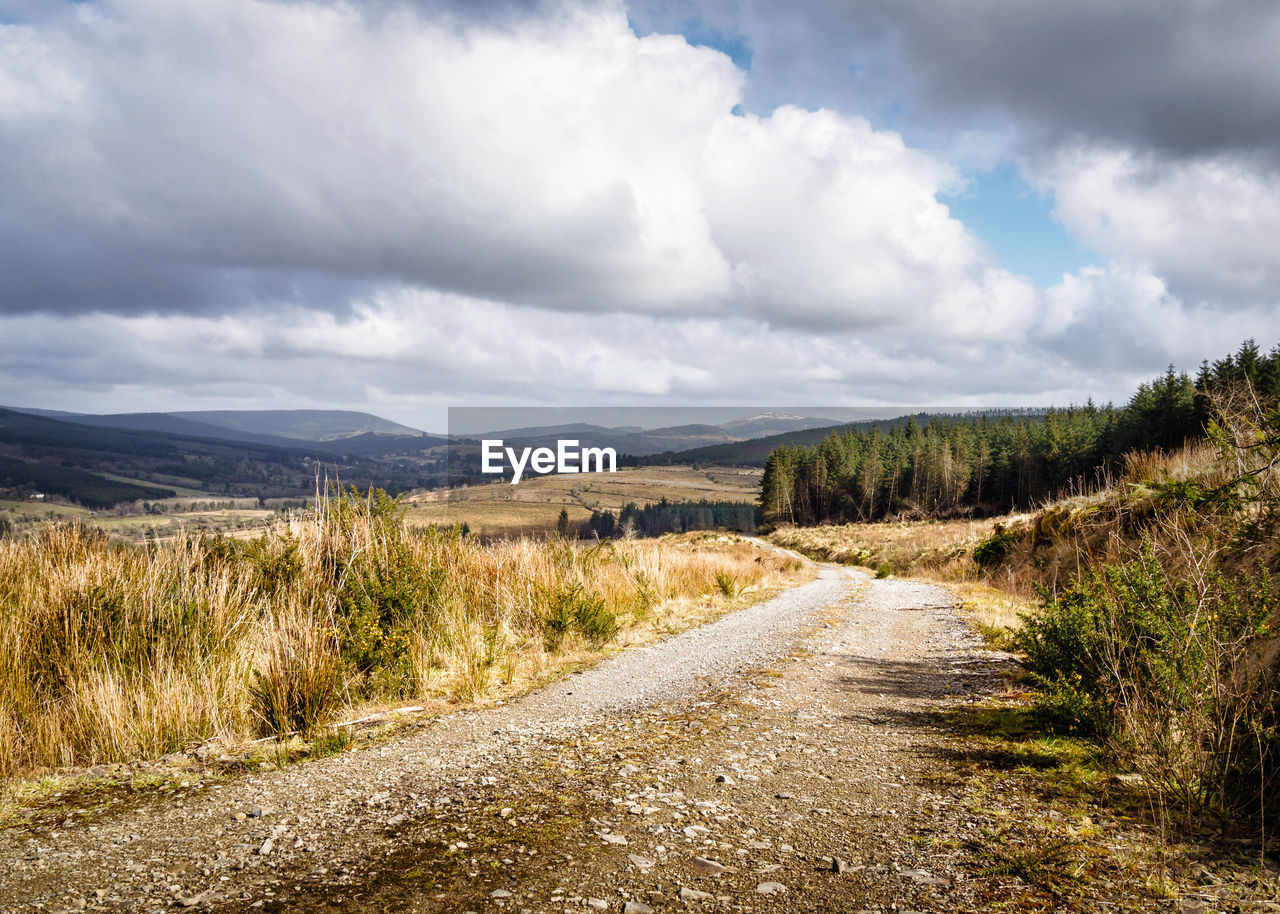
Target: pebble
<point x="770" y="888"/>
<point x="688" y="894"/>
<point x="708" y="866"/>
<point x="636" y="907"/>
<point x="598" y="903"/>
<point x="499" y="893"/>
<point x="267" y="847"/>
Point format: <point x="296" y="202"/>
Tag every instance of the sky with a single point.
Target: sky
<point x="402" y="206"/>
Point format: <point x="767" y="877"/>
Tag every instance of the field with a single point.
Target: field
<point x="532" y="506"/>
<point x="165" y="518"/>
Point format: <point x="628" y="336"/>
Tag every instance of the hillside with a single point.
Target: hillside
<point x="532" y="507"/>
<point x="277" y="427"/>
<point x="305" y="424"/>
<point x="26" y="479"/>
<point x="219" y="465"/>
<point x="754" y="451"/>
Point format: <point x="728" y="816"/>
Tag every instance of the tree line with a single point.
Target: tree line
<point x="993" y="464"/>
<point x="675" y="517"/>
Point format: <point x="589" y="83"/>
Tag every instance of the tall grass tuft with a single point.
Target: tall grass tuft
<point x="110" y="652"/>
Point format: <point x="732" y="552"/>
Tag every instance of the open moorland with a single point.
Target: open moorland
<point x="532" y="506"/>
<point x="500" y="509"/>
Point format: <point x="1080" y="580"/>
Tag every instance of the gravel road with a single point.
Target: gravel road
<point x="783" y="758"/>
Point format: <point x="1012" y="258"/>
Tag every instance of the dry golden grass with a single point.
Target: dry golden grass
<point x="993" y="611"/>
<point x="533" y="505"/>
<point x="1060" y="542"/>
<point x="941" y="550"/>
<point x="110" y="652"/>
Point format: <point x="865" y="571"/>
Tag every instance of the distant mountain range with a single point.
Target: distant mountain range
<point x="645" y="442"/>
<point x="333" y="431"/>
<point x="281" y="427"/>
<point x="84" y="458"/>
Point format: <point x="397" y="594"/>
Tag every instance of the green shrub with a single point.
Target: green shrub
<point x="726" y="583"/>
<point x="647" y="595"/>
<point x="884" y="571"/>
<point x="1172" y="672"/>
<point x="1064" y="707"/>
<point x="573" y="608"/>
<point x="333" y="742"/>
<point x="383" y="593"/>
<point x="992" y="550"/>
<point x="594" y="620"/>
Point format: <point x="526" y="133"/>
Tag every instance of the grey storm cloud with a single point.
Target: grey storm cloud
<point x="1183" y="76"/>
<point x="1186" y="77"/>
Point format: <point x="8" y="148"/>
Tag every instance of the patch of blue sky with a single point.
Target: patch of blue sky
<point x="1016" y="221"/>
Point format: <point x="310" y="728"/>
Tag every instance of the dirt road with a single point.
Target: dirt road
<point x="790" y="757"/>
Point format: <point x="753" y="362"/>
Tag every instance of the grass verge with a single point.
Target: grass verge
<point x="110" y="653"/>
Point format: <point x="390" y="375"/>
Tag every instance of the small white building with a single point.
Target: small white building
<point x="37" y="496"/>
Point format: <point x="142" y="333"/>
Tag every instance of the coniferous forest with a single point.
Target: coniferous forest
<point x="990" y="465"/>
<point x="675" y="517"/>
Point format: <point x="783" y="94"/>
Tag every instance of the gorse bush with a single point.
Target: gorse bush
<point x="990" y="550"/>
<point x="1172" y="672"/>
<point x="725" y="581"/>
<point x="110" y="652"/>
<point x="1171" y="653"/>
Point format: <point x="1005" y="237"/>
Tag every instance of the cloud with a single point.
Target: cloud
<point x="1155" y="123"/>
<point x="1206" y="224"/>
<point x="1124" y="320"/>
<point x="407" y="353"/>
<point x="240" y="202"/>
<point x="1188" y="77"/>
<point x="200" y="157"/>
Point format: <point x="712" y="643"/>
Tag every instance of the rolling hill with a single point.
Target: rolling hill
<point x="221" y="465"/>
<point x="278" y="427"/>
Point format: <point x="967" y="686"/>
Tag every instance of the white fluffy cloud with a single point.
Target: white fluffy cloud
<point x="410" y="352"/>
<point x="1207" y="224"/>
<point x="1123" y="321"/>
<point x="558" y="161"/>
